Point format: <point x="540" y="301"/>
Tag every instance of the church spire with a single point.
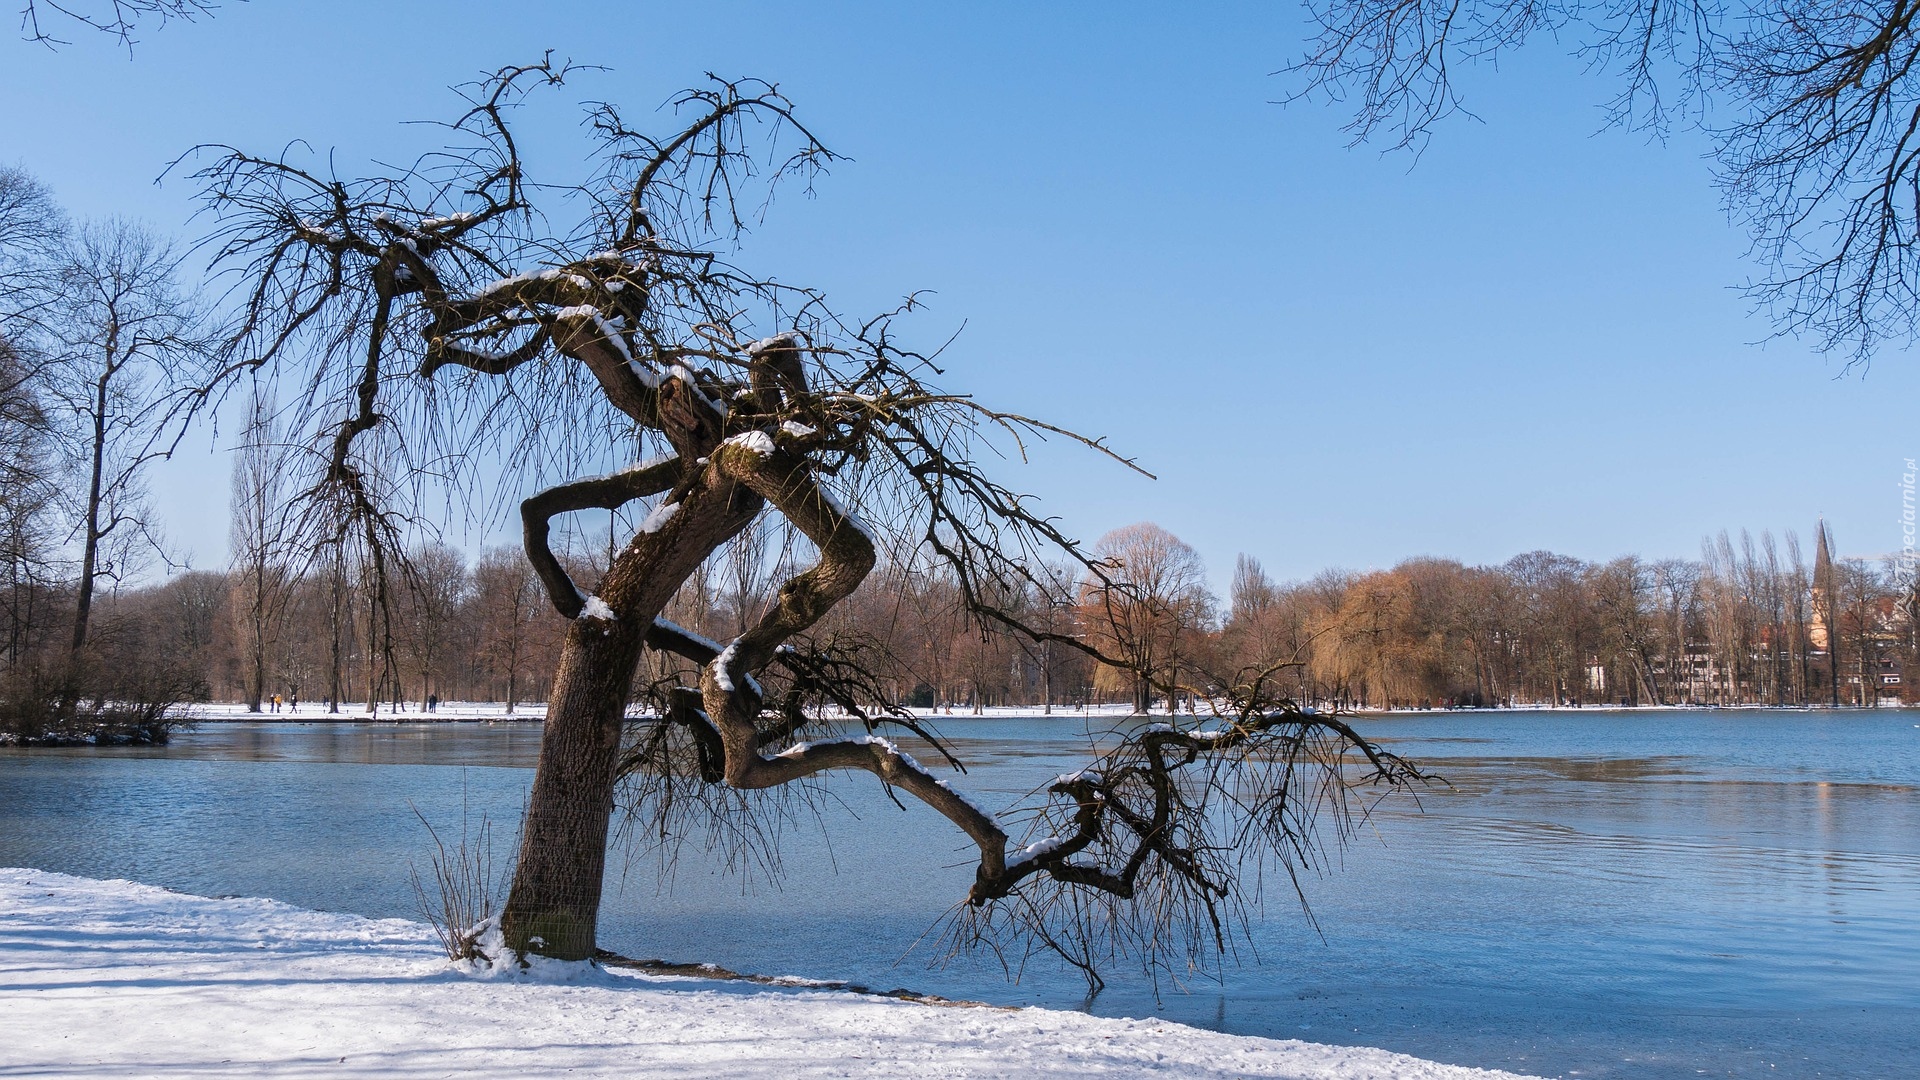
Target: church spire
<point x="1821" y="632"/>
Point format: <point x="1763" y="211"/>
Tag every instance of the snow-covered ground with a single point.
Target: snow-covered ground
<point x="111" y="978"/>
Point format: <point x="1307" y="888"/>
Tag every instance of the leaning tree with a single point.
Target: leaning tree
<point x="443" y="326"/>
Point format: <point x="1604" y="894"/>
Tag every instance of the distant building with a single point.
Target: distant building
<point x="1823" y="590"/>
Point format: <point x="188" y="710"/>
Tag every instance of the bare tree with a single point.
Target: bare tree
<point x="510" y="613"/>
<point x="29" y="540"/>
<point x="1811" y="108"/>
<point x="258" y="532"/>
<point x="432" y="310"/>
<point x="1144" y="606"/>
<point x="126" y="340"/>
<point x="1865" y="604"/>
<point x="1624" y="591"/>
<point x="32" y="229"/>
<point x="437" y="585"/>
<point x="1053" y="607"/>
<point x="43" y="21"/>
<point x="32" y="232"/>
<point x="1824" y="632"/>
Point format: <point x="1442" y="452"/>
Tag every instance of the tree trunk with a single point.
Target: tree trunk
<point x="555" y="901"/>
<point x="257" y="647"/>
<point x="336" y="601"/>
<point x="1046" y="676"/>
<point x="373" y="655"/>
<point x="1869" y="693"/>
<point x="90" y="551"/>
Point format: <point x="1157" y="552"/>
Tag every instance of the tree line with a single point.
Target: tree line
<point x="1751" y="623"/>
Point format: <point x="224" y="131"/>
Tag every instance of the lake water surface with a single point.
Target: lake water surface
<point x="1596" y="894"/>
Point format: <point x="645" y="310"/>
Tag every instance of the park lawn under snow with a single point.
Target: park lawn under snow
<point x="111" y="978"/>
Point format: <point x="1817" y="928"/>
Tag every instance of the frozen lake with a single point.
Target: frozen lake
<point x="1598" y="894"/>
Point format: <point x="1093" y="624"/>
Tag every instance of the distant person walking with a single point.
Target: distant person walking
<point x="433" y="703"/>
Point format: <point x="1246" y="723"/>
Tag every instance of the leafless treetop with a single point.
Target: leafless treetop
<point x="1813" y="110"/>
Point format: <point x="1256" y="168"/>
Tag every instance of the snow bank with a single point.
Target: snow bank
<point x="110" y="978"/>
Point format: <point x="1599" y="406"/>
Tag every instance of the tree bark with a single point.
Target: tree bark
<point x="90" y="550"/>
<point x="336" y="602"/>
<point x="554" y="903"/>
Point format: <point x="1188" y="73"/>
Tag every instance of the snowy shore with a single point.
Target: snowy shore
<point x="111" y="978"/>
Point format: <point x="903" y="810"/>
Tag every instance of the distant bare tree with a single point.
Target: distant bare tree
<point x="32" y="232"/>
<point x="1145" y="606"/>
<point x="437" y="585"/>
<point x="511" y="610"/>
<point x="29" y="527"/>
<point x="128" y="341"/>
<point x="1053" y="608"/>
<point x="1796" y="612"/>
<point x="1865" y="605"/>
<point x="32" y="229"/>
<point x="259" y="534"/>
<point x="191" y="605"/>
<point x="1630" y="628"/>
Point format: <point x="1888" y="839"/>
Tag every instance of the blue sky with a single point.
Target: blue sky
<point x="1331" y="357"/>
